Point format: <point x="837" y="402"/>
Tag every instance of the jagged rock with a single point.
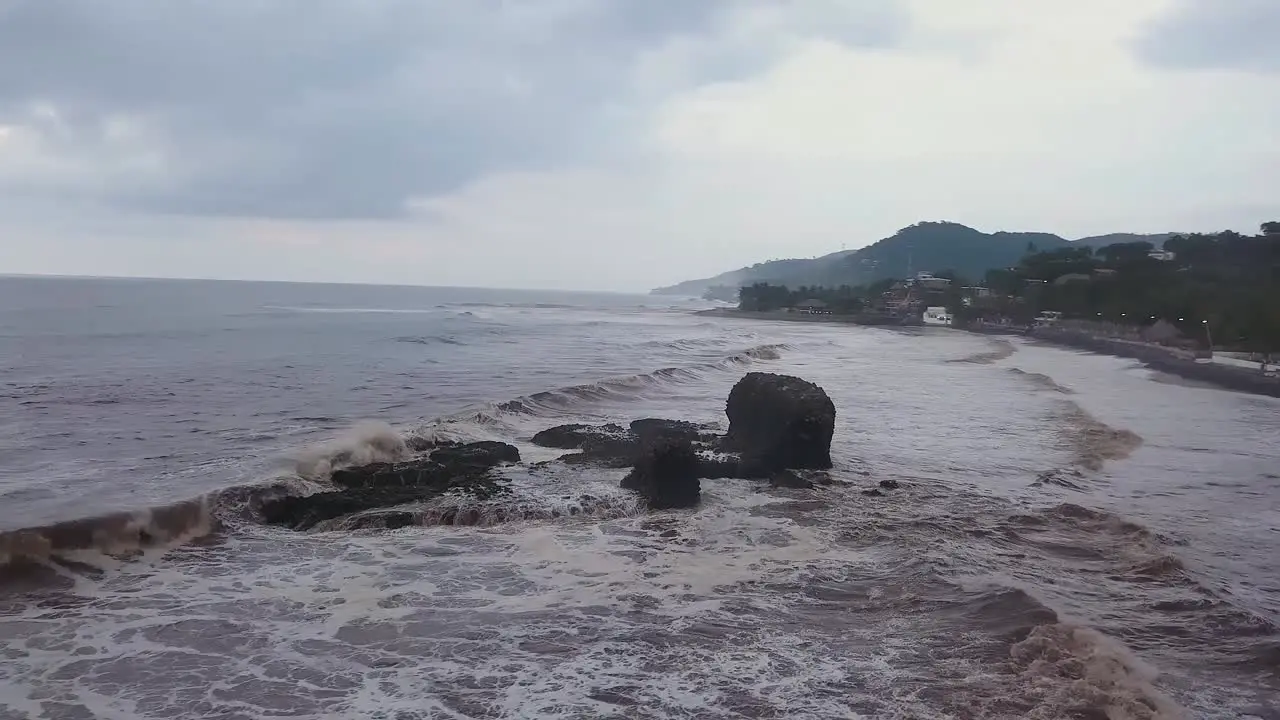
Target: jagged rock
<point x="667" y="476"/>
<point x="442" y="464"/>
<point x="573" y="437"/>
<point x="456" y="468"/>
<point x="780" y="421"/>
<point x="873" y="492"/>
<point x="482" y="455"/>
<point x="412" y="473"/>
<point x="653" y="430"/>
<point x="889" y="484"/>
<point x="615" y="446"/>
<point x="305" y="512"/>
<point x="603" y="461"/>
<point x="610" y="445"/>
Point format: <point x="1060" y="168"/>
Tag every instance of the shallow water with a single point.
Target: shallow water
<point x="1073" y="535"/>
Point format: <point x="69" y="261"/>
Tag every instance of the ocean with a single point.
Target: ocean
<point x="1072" y="535"/>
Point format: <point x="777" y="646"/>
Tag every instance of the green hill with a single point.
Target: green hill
<point x="923" y="247"/>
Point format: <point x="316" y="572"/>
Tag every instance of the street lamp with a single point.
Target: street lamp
<point x="1208" y="336"/>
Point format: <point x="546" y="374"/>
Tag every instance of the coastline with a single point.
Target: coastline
<point x="780" y="315"/>
<point x="866" y="320"/>
<point x="1156" y="357"/>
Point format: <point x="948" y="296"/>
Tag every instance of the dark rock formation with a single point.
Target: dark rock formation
<point x="653" y="430"/>
<point x="303" y="513"/>
<point x="610" y="445"/>
<point x="573" y="437"/>
<point x="457" y="468"/>
<point x="601" y="461"/>
<point x="667" y="476"/>
<point x="781" y="422"/>
<point x="479" y="455"/>
<point x="615" y="446"/>
<point x="889" y="484"/>
<point x="873" y="492"/>
<point x="442" y="464"/>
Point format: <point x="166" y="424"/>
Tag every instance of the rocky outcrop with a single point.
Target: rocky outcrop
<point x="780" y="422"/>
<point x="667" y="475"/>
<point x="780" y="430"/>
<point x="615" y="446"/>
<point x="574" y="437"/>
<point x="452" y="469"/>
<point x="654" y="430"/>
<point x="606" y="445"/>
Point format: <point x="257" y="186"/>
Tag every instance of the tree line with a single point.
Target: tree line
<point x="764" y="297"/>
<point x="1224" y="285"/>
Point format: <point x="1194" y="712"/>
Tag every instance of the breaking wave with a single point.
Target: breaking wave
<point x="1000" y="349"/>
<point x="129" y="532"/>
<point x="1092" y="441"/>
<point x="1066" y="666"/>
<point x="553" y="403"/>
<point x="1041" y="380"/>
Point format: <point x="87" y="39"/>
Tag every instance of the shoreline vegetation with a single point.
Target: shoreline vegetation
<point x="1203" y="307"/>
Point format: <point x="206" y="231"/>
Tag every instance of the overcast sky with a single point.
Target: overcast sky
<point x="612" y="144"/>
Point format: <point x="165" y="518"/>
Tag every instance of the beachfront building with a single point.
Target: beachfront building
<point x="929" y="281"/>
<point x="813" y="306"/>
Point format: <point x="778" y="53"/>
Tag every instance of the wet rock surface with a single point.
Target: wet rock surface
<point x="780" y="421"/>
<point x="780" y="430"/>
<point x="667" y="475"/>
<point x="458" y="469"/>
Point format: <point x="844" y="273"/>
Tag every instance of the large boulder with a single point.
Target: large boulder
<point x="780" y="422"/>
<point x="667" y="476"/>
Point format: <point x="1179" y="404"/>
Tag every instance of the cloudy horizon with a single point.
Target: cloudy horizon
<point x="612" y="144"/>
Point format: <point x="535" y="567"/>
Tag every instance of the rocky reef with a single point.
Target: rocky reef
<point x="778" y="425"/>
<point x="462" y="469"/>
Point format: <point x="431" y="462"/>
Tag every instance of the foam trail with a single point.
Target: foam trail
<point x="1093" y="442"/>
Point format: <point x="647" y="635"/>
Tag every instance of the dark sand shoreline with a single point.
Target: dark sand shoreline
<point x="1156" y="357"/>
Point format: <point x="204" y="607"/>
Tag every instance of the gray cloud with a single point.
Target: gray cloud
<point x="1218" y="34"/>
<point x="328" y="108"/>
<point x="324" y="108"/>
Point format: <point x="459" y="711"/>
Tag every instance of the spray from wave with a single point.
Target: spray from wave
<point x="1071" y="667"/>
<point x="368" y="442"/>
<point x="125" y="533"/>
